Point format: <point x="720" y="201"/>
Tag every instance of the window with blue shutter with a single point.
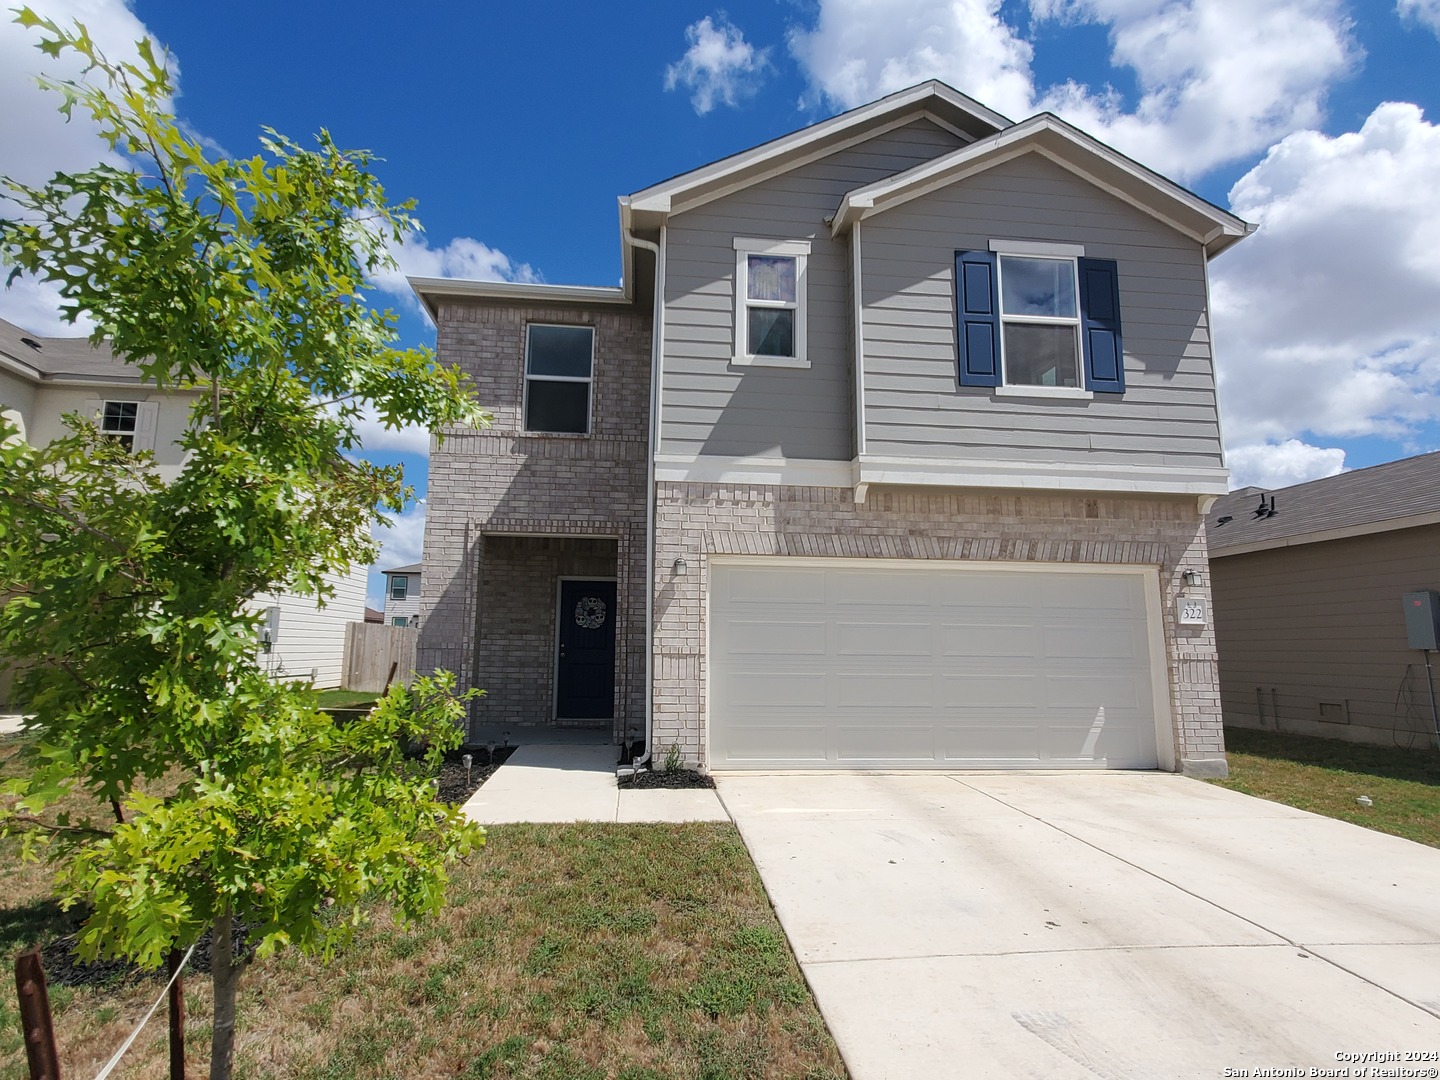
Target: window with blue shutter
<point x="977" y="320"/>
<point x="1044" y="321"/>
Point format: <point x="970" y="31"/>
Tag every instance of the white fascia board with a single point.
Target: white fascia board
<point x="1369" y="528"/>
<point x="427" y="287"/>
<point x="908" y="104"/>
<point x="710" y="469"/>
<point x="19" y="367"/>
<point x="1042" y="476"/>
<point x="896" y="190"/>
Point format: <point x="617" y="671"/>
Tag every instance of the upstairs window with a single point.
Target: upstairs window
<point x="399" y="586"/>
<point x="559" y="368"/>
<point x="770" y="293"/>
<point x="1041" y="318"/>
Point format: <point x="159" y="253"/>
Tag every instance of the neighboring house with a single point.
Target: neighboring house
<point x="890" y="451"/>
<point x="373" y="616"/>
<point x="43" y="378"/>
<point x="402" y="595"/>
<point x="1308" y="614"/>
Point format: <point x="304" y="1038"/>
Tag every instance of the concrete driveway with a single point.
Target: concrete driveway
<point x="1115" y="925"/>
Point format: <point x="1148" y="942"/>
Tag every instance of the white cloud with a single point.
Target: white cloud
<point x="462" y="257"/>
<point x="376" y="436"/>
<point x="36" y="141"/>
<point x="859" y="50"/>
<point x="1276" y="465"/>
<point x="401" y="542"/>
<point x="1219" y="80"/>
<point x="1426" y="11"/>
<point x="1329" y="317"/>
<point x="719" y="67"/>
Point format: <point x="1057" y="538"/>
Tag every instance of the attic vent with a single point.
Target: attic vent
<point x="32" y="343"/>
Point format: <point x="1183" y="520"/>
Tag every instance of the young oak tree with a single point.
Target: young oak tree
<point x="129" y="601"/>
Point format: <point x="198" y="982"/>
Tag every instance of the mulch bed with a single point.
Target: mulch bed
<point x="64" y="968"/>
<point x="668" y="778"/>
<point x="455" y="786"/>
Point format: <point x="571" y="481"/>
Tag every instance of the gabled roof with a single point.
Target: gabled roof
<point x="942" y="104"/>
<point x="1397" y="495"/>
<point x="412" y="568"/>
<point x="1071" y="149"/>
<point x="60" y="359"/>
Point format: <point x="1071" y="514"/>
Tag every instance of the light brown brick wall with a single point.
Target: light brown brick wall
<point x="504" y="482"/>
<point x="695" y="521"/>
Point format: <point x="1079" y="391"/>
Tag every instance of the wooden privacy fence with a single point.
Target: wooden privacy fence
<point x="373" y="650"/>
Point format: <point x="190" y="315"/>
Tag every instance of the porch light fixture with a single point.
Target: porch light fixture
<point x="680" y="568"/>
<point x="1192" y="577"/>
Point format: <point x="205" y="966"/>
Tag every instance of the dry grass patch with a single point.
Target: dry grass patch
<point x="1326" y="776"/>
<point x="636" y="952"/>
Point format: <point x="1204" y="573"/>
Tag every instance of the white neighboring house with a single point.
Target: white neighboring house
<point x="402" y="595"/>
<point x="42" y="379"/>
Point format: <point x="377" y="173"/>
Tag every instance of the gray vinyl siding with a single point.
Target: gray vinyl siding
<point x="1322" y="623"/>
<point x="710" y="407"/>
<point x="914" y="406"/>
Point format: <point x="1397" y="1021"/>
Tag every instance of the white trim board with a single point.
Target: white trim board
<point x="942" y="472"/>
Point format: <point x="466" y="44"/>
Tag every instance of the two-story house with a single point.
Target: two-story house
<point x="402" y="595"/>
<point x="42" y="379"/>
<point x="891" y="451"/>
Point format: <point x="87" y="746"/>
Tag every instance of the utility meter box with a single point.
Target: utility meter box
<point x="1422" y="619"/>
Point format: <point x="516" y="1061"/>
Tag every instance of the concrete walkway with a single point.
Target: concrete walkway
<point x="11" y="723"/>
<point x="1115" y="925"/>
<point x="557" y="783"/>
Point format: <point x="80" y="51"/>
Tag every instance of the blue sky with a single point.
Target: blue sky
<point x="515" y="126"/>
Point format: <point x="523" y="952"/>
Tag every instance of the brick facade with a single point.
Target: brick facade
<point x="499" y="499"/>
<point x="696" y="520"/>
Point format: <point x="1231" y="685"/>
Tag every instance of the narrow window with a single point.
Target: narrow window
<point x="117" y="420"/>
<point x="1040" y="321"/>
<point x="559" y="367"/>
<point x="770" y="317"/>
<point x="399" y="587"/>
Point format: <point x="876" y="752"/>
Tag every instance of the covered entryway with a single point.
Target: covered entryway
<point x="836" y="663"/>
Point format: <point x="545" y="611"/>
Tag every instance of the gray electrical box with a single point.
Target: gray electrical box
<point x="1422" y="619"/>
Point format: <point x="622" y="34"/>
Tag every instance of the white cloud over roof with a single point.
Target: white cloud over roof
<point x="720" y="67"/>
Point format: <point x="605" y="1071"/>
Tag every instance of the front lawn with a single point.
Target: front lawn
<point x="1326" y="776"/>
<point x="635" y="952"/>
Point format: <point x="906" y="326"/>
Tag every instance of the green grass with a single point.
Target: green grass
<point x="643" y="952"/>
<point x="347" y="699"/>
<point x="1326" y="776"/>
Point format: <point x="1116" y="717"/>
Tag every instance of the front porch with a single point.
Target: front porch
<point x="557" y="641"/>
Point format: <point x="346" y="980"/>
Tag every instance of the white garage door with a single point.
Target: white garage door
<point x="842" y="664"/>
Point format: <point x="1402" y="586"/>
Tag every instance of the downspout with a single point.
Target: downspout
<point x="657" y="327"/>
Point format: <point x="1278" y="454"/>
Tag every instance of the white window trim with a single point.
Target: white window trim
<point x="146" y="417"/>
<point x="799" y="250"/>
<point x="404" y="583"/>
<point x="1071" y="255"/>
<point x="589" y="380"/>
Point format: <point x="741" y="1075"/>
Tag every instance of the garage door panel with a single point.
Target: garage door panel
<point x="768" y="689"/>
<point x="913" y="742"/>
<point x="770" y="585"/>
<point x="883" y="639"/>
<point x="929" y="666"/>
<point x="987" y="690"/>
<point x="1095" y="594"/>
<point x="898" y="690"/>
<point x="1106" y="643"/>
<point x="989" y="640"/>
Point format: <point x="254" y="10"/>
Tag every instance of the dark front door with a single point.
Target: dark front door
<point x="585" y="674"/>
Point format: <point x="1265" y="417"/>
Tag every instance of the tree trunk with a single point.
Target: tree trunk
<point x="225" y="977"/>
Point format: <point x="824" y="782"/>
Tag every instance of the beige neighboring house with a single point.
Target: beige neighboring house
<point x="1308" y="584"/>
<point x="43" y="378"/>
<point x="891" y="451"/>
<point x="402" y="595"/>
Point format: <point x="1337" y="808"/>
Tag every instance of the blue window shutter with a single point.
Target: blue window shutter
<point x="1100" y="326"/>
<point x="977" y="318"/>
